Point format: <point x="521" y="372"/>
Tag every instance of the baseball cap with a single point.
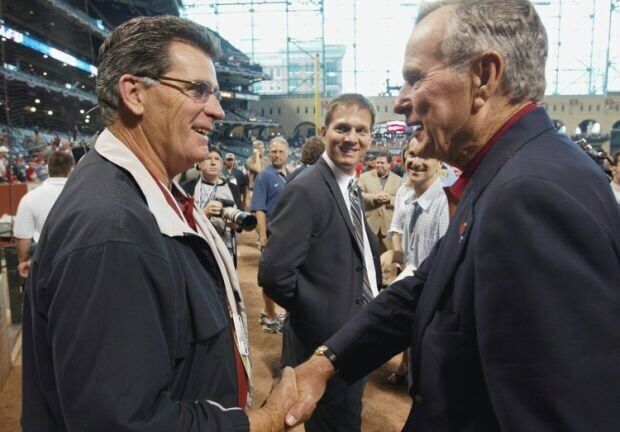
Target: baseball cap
<point x="229" y="156"/>
<point x="4" y="149"/>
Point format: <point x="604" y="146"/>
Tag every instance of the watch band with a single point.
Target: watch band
<point x="326" y="352"/>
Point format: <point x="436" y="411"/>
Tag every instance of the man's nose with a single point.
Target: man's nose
<point x="213" y="108"/>
<point x="351" y="136"/>
<point x="402" y="103"/>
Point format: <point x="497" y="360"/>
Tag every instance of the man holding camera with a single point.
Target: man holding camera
<point x="212" y="193"/>
<point x="269" y="183"/>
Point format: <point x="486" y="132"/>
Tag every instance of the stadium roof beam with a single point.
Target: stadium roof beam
<point x="35" y="81"/>
<point x="78" y="17"/>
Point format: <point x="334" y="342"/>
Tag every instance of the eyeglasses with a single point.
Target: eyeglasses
<point x="200" y="91"/>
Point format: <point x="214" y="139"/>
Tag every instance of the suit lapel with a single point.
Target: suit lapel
<point x="334" y="189"/>
<point x="454" y="242"/>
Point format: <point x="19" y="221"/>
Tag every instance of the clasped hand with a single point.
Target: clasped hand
<point x="293" y="399"/>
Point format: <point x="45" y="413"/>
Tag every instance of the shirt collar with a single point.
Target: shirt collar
<point x="342" y="178"/>
<point x="458" y="188"/>
<point x="426" y="199"/>
<point x="56" y="181"/>
<point x="169" y="222"/>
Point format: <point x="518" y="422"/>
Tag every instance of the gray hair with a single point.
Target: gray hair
<point x="140" y="47"/>
<point x="510" y="27"/>
<point x="278" y="139"/>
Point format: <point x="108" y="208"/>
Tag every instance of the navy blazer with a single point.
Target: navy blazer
<point x="514" y="319"/>
<point x="312" y="265"/>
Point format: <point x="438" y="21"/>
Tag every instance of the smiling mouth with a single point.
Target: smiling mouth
<point x="202" y="131"/>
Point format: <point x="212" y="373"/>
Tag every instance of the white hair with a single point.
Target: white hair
<point x="510" y="27"/>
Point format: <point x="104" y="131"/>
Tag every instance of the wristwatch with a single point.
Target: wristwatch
<point x="325" y="351"/>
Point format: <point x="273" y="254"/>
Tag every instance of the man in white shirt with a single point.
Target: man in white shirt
<point x="36" y="205"/>
<point x="420" y="219"/>
<point x="424" y="217"/>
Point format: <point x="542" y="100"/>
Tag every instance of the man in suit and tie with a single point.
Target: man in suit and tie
<point x="321" y="263"/>
<point x="514" y="318"/>
<point x="379" y="187"/>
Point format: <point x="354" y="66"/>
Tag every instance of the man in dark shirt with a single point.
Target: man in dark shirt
<point x="133" y="318"/>
<point x="234" y="175"/>
<point x="268" y="185"/>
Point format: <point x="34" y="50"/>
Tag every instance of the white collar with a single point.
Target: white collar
<point x="169" y="222"/>
<point x="56" y="181"/>
<point x="342" y="178"/>
<point x="426" y="199"/>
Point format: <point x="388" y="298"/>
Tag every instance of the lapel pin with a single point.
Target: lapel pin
<point x="462" y="230"/>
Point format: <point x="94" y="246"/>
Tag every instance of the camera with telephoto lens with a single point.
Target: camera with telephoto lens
<point x="244" y="220"/>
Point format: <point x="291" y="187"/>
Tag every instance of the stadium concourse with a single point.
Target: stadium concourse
<point x="385" y="406"/>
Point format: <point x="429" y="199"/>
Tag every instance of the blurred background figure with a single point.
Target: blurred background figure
<point x="36" y="205"/>
<point x="311" y="151"/>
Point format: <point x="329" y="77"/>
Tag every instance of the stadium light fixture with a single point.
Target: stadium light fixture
<point x="37" y="101"/>
<point x="50" y="112"/>
<point x="44" y="73"/>
<point x="86" y="121"/>
<point x="33" y="109"/>
<point x="81" y="111"/>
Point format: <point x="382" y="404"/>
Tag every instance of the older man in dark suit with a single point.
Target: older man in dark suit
<point x="514" y="319"/>
<point x="321" y="262"/>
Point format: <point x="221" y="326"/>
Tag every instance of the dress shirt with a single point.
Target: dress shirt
<point x="429" y="227"/>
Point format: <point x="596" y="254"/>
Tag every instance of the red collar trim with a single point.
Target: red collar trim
<point x="458" y="188"/>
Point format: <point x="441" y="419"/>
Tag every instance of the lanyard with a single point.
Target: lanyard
<point x="210" y="196"/>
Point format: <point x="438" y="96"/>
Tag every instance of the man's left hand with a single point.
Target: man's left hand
<point x="23" y="268"/>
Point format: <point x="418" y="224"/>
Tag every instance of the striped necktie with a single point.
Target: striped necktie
<point x="357" y="218"/>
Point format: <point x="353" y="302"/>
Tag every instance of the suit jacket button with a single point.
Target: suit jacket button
<point x="418" y="399"/>
<point x="359" y="269"/>
<point x="359" y="300"/>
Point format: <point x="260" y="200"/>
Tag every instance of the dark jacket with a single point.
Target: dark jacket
<point x="312" y="265"/>
<point x="514" y="319"/>
<point x="124" y="328"/>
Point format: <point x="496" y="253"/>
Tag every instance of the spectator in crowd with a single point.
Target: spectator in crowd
<point x="615" y="182"/>
<point x="234" y="175"/>
<point x="20" y="170"/>
<point x="379" y="187"/>
<point x="257" y="162"/>
<point x="311" y="151"/>
<point x="4" y="163"/>
<point x="397" y="167"/>
<point x="369" y="162"/>
<point x="211" y="192"/>
<point x="269" y="184"/>
<point x="321" y="263"/>
<point x="133" y="318"/>
<point x="514" y="315"/>
<point x="421" y="218"/>
<point x="35" y="206"/>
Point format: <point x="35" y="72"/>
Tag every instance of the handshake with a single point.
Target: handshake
<point x="294" y="397"/>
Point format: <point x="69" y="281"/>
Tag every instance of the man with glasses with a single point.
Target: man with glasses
<point x="133" y="318"/>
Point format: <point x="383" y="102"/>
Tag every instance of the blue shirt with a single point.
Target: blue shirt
<point x="267" y="187"/>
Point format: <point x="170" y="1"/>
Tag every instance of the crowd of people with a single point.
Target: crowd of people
<point x="500" y="287"/>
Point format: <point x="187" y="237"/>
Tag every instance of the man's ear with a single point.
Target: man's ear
<point x="132" y="94"/>
<point x="323" y="132"/>
<point x="488" y="71"/>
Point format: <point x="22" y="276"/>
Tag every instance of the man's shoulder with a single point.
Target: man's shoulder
<point x="368" y="174"/>
<point x="101" y="201"/>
